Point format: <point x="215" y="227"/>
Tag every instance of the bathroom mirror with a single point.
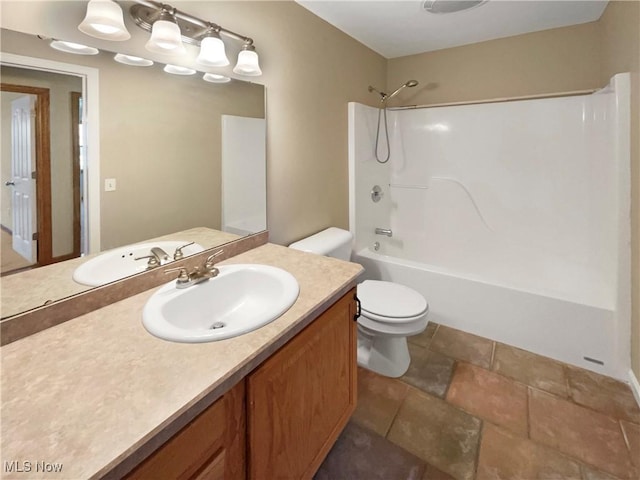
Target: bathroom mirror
<point x="160" y="151"/>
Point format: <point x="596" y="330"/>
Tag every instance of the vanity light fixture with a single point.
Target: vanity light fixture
<point x="186" y="28"/>
<point x="178" y="70"/>
<point x="104" y="19"/>
<point x="165" y="34"/>
<point x="215" y="78"/>
<point x="212" y="51"/>
<point x="132" y="60"/>
<point x="75" y="48"/>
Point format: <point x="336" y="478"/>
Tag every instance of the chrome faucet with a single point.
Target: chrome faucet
<point x="384" y="231"/>
<point x="198" y="275"/>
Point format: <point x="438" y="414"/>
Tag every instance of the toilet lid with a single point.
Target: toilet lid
<point x="392" y="300"/>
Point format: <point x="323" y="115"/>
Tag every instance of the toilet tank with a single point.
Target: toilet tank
<point x="332" y="242"/>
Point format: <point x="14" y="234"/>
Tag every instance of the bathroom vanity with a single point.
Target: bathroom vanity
<point x="103" y="398"/>
<point x="279" y="422"/>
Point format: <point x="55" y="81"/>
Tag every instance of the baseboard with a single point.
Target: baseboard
<point x="635" y="386"/>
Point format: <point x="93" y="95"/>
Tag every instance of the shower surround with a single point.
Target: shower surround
<point x="511" y="218"/>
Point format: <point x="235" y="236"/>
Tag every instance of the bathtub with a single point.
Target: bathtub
<point x="547" y="324"/>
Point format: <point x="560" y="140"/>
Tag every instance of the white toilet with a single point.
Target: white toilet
<point x="390" y="312"/>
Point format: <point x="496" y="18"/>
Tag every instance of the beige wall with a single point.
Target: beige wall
<point x="160" y="138"/>
<point x="60" y="88"/>
<point x="558" y="60"/>
<point x="563" y="59"/>
<point x="620" y="29"/>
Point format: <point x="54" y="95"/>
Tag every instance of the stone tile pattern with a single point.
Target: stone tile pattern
<point x="470" y="408"/>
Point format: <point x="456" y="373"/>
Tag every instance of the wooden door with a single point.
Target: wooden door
<point x="301" y="398"/>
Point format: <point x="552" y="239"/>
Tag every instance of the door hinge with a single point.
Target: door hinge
<point x="33" y="175"/>
<point x="34" y="237"/>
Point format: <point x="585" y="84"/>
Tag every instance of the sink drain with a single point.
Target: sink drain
<point x="217" y="325"/>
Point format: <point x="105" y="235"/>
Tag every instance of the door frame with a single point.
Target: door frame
<point x="91" y="122"/>
<point x="42" y="168"/>
<point x="75" y="149"/>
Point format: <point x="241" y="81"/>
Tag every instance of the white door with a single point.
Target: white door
<point x="23" y="159"/>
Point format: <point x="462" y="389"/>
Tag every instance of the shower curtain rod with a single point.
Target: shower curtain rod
<point x="571" y="93"/>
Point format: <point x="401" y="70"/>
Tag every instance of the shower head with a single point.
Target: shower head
<point x="384" y="97"/>
<point x="410" y="83"/>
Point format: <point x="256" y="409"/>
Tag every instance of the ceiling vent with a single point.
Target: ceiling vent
<point x="450" y="6"/>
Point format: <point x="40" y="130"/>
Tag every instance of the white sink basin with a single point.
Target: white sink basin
<point x="240" y="299"/>
<point x="119" y="263"/>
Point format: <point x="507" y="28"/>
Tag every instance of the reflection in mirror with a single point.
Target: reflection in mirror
<point x="51" y="149"/>
<point x="163" y="142"/>
<point x="36" y="287"/>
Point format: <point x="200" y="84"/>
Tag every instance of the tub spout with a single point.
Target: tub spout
<point x="384" y="231"/>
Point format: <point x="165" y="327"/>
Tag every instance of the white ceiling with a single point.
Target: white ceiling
<point x="395" y="28"/>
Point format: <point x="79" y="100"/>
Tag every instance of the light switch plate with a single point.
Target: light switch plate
<point x="109" y="184"/>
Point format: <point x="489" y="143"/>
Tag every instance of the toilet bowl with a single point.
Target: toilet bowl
<point x="389" y="312"/>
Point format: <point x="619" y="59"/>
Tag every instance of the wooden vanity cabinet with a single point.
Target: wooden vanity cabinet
<point x="295" y="405"/>
<point x="300" y="399"/>
<point x="211" y="447"/>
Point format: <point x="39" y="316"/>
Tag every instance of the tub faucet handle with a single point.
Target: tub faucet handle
<point x="384" y="231"/>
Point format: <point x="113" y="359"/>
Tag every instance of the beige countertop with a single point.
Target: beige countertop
<point x="94" y="394"/>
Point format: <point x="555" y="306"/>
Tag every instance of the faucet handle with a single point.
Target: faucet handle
<point x="208" y="264"/>
<point x="177" y="255"/>
<point x="183" y="276"/>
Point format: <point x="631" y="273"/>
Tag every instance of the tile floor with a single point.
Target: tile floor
<point x="469" y="408"/>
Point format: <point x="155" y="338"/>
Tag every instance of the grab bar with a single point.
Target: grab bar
<point x="384" y="231"/>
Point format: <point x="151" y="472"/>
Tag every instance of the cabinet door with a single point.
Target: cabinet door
<point x="211" y="447"/>
<point x="301" y="398"/>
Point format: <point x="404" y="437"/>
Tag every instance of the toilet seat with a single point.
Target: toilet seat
<point x="393" y="320"/>
<point x="391" y="302"/>
<point x="391" y="309"/>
